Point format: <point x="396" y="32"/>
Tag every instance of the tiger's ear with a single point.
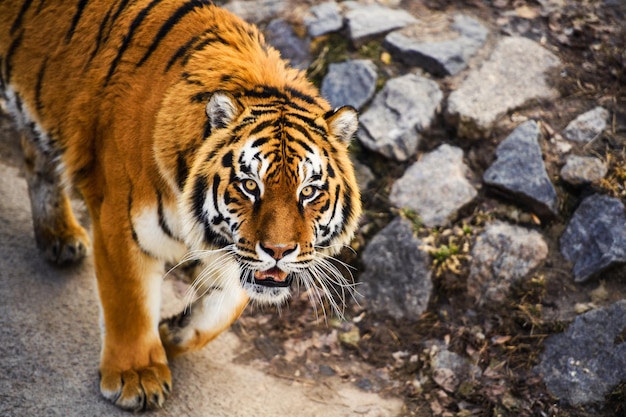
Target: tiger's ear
<point x="343" y="123"/>
<point x="222" y="109"/>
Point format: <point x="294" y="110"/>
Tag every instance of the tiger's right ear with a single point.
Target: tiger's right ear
<point x="222" y="109"/>
<point x="343" y="123"/>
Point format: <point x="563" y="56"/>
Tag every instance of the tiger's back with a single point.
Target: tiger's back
<point x="188" y="137"/>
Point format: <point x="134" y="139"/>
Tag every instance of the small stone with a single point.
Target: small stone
<point x="502" y="255"/>
<point x="439" y="57"/>
<point x="595" y="237"/>
<point x="281" y="36"/>
<point x="587" y="126"/>
<point x="515" y="73"/>
<point x="324" y="18"/>
<point x="582" y="365"/>
<point x="405" y="107"/>
<point x="520" y="173"/>
<point x="364" y="22"/>
<point x="436" y="186"/>
<point x="364" y="175"/>
<point x="350" y="83"/>
<point x="449" y="368"/>
<point x="257" y="11"/>
<point x="396" y="278"/>
<point x="350" y="338"/>
<point x="583" y="170"/>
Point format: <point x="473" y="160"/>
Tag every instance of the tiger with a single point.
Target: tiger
<point x="189" y="138"/>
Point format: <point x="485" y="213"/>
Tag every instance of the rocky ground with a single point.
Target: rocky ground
<point x="491" y="162"/>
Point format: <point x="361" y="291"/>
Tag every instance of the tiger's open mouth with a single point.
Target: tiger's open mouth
<point x="273" y="277"/>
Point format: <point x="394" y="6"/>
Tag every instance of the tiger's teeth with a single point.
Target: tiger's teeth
<point x="274" y="273"/>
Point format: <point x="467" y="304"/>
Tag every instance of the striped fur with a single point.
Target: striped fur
<point x="188" y="137"/>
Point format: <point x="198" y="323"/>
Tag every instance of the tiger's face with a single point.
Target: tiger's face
<point x="275" y="190"/>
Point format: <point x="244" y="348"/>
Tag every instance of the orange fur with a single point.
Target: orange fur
<point x="121" y="93"/>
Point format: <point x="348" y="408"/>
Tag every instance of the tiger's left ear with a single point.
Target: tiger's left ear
<point x="343" y="123"/>
<point x="222" y="109"/>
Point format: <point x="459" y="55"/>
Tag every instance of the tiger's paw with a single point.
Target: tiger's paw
<point x="137" y="389"/>
<point x="67" y="245"/>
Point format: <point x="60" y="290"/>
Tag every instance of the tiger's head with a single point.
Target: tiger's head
<point x="273" y="188"/>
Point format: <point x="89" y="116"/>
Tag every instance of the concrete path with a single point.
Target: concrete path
<point x="50" y="341"/>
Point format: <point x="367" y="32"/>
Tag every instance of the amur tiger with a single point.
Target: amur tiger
<point x="188" y="138"/>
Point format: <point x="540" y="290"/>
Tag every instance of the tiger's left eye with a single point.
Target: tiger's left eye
<point x="307" y="191"/>
<point x="250" y="185"/>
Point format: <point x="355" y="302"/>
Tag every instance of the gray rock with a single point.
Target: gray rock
<point x="436" y="186"/>
<point x="281" y="36"/>
<point x="350" y="82"/>
<point x="364" y="175"/>
<point x="583" y="364"/>
<point x="257" y="11"/>
<point x="502" y="255"/>
<point x="583" y="170"/>
<point x="396" y="279"/>
<point x="587" y="126"/>
<point x="366" y="21"/>
<point x="519" y="171"/>
<point x="402" y="109"/>
<point x="324" y="18"/>
<point x="439" y="57"/>
<point x="515" y="73"/>
<point x="448" y="368"/>
<point x="595" y="237"/>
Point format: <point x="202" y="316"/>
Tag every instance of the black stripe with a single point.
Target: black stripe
<point x="113" y="20"/>
<point x="7" y="59"/>
<point x="216" y="185"/>
<point x="162" y="223"/>
<point x="208" y="41"/>
<point x="100" y="35"/>
<point x="41" y="3"/>
<point x="79" y="12"/>
<point x="227" y="160"/>
<point x="261" y="126"/>
<point x="207" y="129"/>
<point x="310" y="122"/>
<point x="330" y="170"/>
<point x="302" y="130"/>
<point x="128" y="37"/>
<point x="132" y="226"/>
<point x="38" y="102"/>
<point x="17" y="23"/>
<point x="263" y="111"/>
<point x="201" y="97"/>
<point x="182" y="170"/>
<point x="198" y="196"/>
<point x="169" y="25"/>
<point x="260" y="141"/>
<point x="180" y="52"/>
<point x="117" y="14"/>
<point x="299" y="94"/>
<point x="332" y="215"/>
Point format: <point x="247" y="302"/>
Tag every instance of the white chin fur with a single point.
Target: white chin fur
<point x="267" y="295"/>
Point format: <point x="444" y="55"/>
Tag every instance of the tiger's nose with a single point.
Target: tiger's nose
<point x="278" y="251"/>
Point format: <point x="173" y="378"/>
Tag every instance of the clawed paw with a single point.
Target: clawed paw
<point x="65" y="247"/>
<point x="137" y="389"/>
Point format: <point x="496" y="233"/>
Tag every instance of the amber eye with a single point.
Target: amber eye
<point x="250" y="185"/>
<point x="307" y="191"/>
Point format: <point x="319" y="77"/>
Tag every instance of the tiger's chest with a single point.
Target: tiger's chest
<point x="157" y="230"/>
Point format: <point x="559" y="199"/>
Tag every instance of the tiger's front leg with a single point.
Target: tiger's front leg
<point x="134" y="374"/>
<point x="221" y="302"/>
